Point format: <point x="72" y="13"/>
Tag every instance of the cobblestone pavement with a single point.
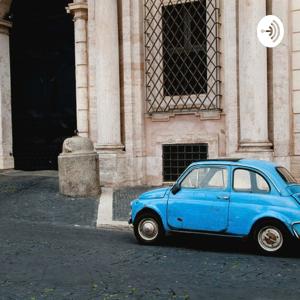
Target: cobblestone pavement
<point x="43" y="256"/>
<point x="122" y="198"/>
<point x="34" y="197"/>
<point x="56" y="262"/>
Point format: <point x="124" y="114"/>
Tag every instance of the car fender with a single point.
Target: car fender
<point x="159" y="206"/>
<point x="274" y="215"/>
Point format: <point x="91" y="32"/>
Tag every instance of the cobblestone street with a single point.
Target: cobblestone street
<point x="51" y="249"/>
<point x="55" y="262"/>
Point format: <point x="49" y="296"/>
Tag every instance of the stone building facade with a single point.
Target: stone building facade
<point x="160" y="83"/>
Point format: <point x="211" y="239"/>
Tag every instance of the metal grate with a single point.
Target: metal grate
<point x="182" y="58"/>
<point x="177" y="157"/>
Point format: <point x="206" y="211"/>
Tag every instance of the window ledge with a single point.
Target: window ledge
<point x="203" y="115"/>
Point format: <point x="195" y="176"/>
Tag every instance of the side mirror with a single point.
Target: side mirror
<point x="175" y="189"/>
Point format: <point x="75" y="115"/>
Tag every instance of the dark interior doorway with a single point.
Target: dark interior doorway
<point x="43" y="82"/>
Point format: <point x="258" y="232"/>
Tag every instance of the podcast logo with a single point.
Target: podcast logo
<point x="270" y="31"/>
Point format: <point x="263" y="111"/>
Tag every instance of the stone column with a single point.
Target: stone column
<point x="107" y="76"/>
<point x="80" y="11"/>
<point x="6" y="158"/>
<point x="230" y="80"/>
<point x="281" y="68"/>
<point x="253" y="97"/>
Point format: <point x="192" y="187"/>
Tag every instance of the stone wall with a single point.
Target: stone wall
<point x="132" y="153"/>
<point x="295" y="17"/>
<point x="140" y="162"/>
<point x="125" y="165"/>
<point x="185" y="129"/>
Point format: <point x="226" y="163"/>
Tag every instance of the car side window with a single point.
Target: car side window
<point x="206" y="177"/>
<point x="249" y="181"/>
<point x="191" y="180"/>
<point x="261" y="184"/>
<point x="242" y="180"/>
<point x="218" y="179"/>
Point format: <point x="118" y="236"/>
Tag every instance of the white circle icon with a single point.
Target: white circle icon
<point x="270" y="31"/>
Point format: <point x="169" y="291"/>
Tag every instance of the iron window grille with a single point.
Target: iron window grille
<point x="177" y="157"/>
<point x="182" y="57"/>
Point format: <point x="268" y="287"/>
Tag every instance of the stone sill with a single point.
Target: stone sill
<point x="202" y="115"/>
<point x="255" y="147"/>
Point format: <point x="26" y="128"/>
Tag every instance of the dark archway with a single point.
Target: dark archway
<point x="43" y="81"/>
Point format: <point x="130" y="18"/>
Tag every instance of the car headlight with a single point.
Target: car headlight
<point x="133" y="202"/>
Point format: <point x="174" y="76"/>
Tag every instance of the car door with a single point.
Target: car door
<point x="252" y="194"/>
<point x="202" y="202"/>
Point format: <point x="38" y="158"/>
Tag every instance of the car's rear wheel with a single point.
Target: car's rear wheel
<point x="148" y="229"/>
<point x="271" y="238"/>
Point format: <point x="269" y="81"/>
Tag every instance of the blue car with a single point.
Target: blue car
<point x="237" y="197"/>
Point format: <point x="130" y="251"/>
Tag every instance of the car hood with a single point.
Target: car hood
<point x="157" y="193"/>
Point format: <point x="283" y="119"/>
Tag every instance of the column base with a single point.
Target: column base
<point x="113" y="169"/>
<point x="256" y="150"/>
<point x="112" y="164"/>
<point x="109" y="148"/>
<point x="255" y="147"/>
<point x="7" y="162"/>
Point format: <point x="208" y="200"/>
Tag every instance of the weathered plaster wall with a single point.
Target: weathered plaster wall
<point x="92" y="71"/>
<point x="121" y="167"/>
<point x="280" y="87"/>
<point x="295" y="18"/>
<point x="140" y="160"/>
<point x="181" y="129"/>
<point x="6" y="155"/>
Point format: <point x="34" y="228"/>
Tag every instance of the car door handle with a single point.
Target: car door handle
<point x="223" y="197"/>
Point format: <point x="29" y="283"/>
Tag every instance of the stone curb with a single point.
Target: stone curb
<point x="105" y="211"/>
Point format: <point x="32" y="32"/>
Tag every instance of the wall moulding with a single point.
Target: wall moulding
<point x="5" y="26"/>
<point x="203" y="115"/>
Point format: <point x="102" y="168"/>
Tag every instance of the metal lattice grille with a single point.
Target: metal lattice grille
<point x="182" y="58"/>
<point x="177" y="157"/>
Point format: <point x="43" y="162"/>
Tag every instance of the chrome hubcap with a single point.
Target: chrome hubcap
<point x="148" y="229"/>
<point x="270" y="238"/>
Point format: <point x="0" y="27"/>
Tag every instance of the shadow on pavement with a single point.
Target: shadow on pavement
<point x="221" y="244"/>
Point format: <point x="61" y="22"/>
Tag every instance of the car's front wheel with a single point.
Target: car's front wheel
<point x="271" y="238"/>
<point x="148" y="229"/>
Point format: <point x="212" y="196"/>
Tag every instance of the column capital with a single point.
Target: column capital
<point x="5" y="26"/>
<point x="78" y="9"/>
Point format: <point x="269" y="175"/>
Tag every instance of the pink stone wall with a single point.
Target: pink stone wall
<point x="180" y="129"/>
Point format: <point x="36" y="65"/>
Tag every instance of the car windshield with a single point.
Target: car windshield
<point x="286" y="175"/>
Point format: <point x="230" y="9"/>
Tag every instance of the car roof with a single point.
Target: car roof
<point x="267" y="167"/>
<point x="242" y="162"/>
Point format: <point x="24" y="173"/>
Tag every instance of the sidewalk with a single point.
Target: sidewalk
<point x="114" y="205"/>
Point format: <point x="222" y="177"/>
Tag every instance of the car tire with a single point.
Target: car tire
<point x="148" y="229"/>
<point x="271" y="238"/>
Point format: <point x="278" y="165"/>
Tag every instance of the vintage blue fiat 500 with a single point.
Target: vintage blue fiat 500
<point x="238" y="197"/>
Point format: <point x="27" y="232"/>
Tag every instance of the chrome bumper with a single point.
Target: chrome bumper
<point x="296" y="229"/>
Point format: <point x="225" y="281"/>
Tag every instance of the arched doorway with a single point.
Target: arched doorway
<point x="43" y="81"/>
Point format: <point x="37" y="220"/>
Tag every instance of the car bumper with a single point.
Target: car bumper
<point x="296" y="229"/>
<point x="130" y="222"/>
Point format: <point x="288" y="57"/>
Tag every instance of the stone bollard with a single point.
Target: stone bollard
<point x="78" y="168"/>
